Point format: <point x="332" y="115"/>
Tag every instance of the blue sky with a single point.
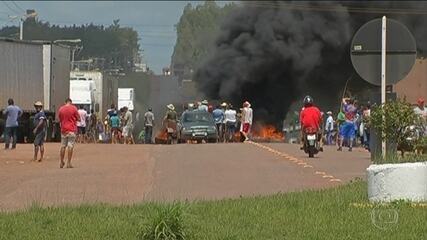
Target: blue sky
<point x="153" y="20"/>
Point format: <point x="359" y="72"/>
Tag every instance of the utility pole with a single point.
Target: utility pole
<point x="383" y="75"/>
<point x="21" y="29"/>
<point x="30" y="13"/>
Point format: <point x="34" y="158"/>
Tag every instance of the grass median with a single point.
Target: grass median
<point x="338" y="213"/>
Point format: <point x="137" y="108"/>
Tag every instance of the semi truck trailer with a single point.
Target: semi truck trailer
<point x="103" y="89"/>
<point x="34" y="71"/>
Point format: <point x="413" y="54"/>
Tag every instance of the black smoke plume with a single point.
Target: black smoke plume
<point x="273" y="54"/>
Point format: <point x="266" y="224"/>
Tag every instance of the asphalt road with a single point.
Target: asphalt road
<point x="122" y="174"/>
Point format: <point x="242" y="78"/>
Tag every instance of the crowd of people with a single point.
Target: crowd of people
<point x="351" y="126"/>
<point x="225" y="117"/>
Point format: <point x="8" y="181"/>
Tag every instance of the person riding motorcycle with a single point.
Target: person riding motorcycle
<point x="310" y="117"/>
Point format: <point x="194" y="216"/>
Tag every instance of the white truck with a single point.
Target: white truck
<point x="126" y="97"/>
<point x="82" y="93"/>
<point x="103" y="89"/>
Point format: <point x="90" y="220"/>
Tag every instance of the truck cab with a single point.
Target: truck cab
<point x="126" y="98"/>
<point x="82" y="93"/>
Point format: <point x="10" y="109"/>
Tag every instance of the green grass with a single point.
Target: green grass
<point x="326" y="214"/>
<point x="409" y="157"/>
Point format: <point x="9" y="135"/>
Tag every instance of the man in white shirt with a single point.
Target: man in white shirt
<point x="329" y="127"/>
<point x="81" y="125"/>
<point x="247" y="115"/>
<point x="230" y="122"/>
<point x="128" y="126"/>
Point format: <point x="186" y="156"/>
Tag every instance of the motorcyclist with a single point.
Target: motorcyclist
<point x="310" y="117"/>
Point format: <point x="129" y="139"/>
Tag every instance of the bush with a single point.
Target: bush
<point x="393" y="120"/>
<point x="167" y="225"/>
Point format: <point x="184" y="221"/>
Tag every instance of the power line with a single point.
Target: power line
<point x="120" y="23"/>
<point x="7" y="5"/>
<point x="340" y="8"/>
<point x="18" y="7"/>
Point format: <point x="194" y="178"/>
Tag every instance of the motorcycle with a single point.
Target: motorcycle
<point x="311" y="142"/>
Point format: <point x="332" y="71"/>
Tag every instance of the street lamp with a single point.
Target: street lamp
<point x="30" y="13"/>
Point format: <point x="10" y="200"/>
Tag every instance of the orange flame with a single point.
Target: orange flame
<point x="268" y="133"/>
<point x="162" y="135"/>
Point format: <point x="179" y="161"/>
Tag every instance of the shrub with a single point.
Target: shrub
<point x="166" y="225"/>
<point x="393" y="120"/>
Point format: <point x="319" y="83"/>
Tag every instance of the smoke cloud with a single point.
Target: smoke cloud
<point x="273" y="55"/>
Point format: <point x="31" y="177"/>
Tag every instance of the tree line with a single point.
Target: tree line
<point x="118" y="45"/>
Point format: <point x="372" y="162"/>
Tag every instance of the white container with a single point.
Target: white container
<point x="403" y="181"/>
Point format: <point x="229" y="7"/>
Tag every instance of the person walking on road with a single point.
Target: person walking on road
<point x="93" y="120"/>
<point x="115" y="127"/>
<point x="329" y="128"/>
<point x="247" y="115"/>
<point x="128" y="126"/>
<point x="218" y="116"/>
<point x="347" y="131"/>
<point x="12" y="113"/>
<point x="230" y="122"/>
<point x="68" y="117"/>
<point x="81" y="125"/>
<point x="39" y="130"/>
<point x="148" y="126"/>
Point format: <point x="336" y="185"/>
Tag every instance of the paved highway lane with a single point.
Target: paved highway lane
<point x="133" y="173"/>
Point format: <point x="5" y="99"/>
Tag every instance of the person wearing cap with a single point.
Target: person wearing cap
<point x="247" y="115"/>
<point x="68" y="117"/>
<point x="12" y="113"/>
<point x="39" y="130"/>
<point x="190" y="107"/>
<point x="204" y="106"/>
<point x="170" y="113"/>
<point x="329" y="127"/>
<point x="148" y="126"/>
<point x="171" y="118"/>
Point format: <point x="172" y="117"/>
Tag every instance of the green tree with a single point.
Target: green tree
<point x="117" y="44"/>
<point x="196" y="33"/>
<point x="392" y="120"/>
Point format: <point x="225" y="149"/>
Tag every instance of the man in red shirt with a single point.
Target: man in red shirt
<point x="310" y="117"/>
<point x="68" y="117"/>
